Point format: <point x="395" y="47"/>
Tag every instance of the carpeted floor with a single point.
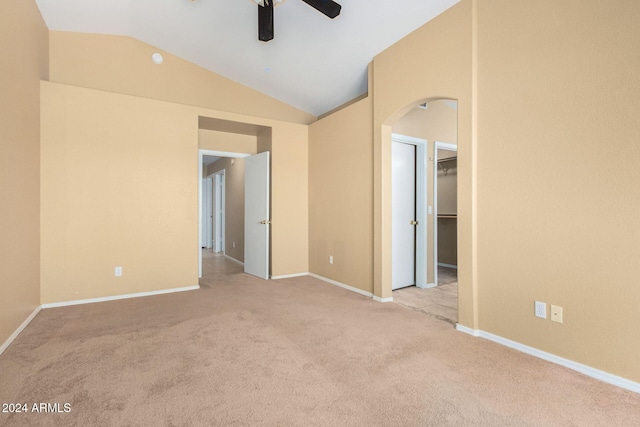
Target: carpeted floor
<point x="242" y="351"/>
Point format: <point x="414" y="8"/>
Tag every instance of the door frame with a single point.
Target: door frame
<point x="201" y="154"/>
<point x="421" y="206"/>
<point x="436" y="146"/>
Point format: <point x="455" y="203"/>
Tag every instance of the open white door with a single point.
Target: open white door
<point x="207" y="212"/>
<point x="256" y="215"/>
<point x="403" y="200"/>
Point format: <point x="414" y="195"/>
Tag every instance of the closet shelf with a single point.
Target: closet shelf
<point x="448" y="159"/>
<point x="454" y="216"/>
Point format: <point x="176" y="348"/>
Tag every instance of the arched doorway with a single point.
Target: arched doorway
<point x="383" y="233"/>
<point x="421" y="233"/>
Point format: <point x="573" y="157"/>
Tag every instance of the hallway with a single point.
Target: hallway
<point x="440" y="302"/>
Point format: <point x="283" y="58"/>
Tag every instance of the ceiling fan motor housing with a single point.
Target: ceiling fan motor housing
<point x="265" y="14"/>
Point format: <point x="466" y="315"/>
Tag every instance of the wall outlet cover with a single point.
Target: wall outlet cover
<point x="540" y="310"/>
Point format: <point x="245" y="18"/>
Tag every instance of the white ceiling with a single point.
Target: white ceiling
<point x="314" y="63"/>
<point x="207" y="160"/>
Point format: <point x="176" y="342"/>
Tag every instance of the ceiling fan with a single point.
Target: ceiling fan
<point x="265" y="14"/>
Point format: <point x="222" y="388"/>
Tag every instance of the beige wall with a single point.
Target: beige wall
<point x="558" y="131"/>
<point x="439" y="122"/>
<point x="527" y="78"/>
<point x="234" y="204"/>
<point x="289" y="200"/>
<point x="123" y="65"/>
<point x="433" y="62"/>
<point x="23" y="62"/>
<point x="340" y="196"/>
<point x="226" y="141"/>
<point x="92" y="223"/>
<point x="128" y="215"/>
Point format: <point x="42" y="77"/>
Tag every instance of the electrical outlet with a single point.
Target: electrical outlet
<point x="556" y="313"/>
<point x="330" y="259"/>
<point x="234" y="244"/>
<point x="541" y="309"/>
<point x="118" y="271"/>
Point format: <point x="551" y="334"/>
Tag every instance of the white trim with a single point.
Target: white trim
<point x="352" y="289"/>
<point x="578" y="367"/>
<point x="442" y="264"/>
<point x="217" y="153"/>
<point x="15" y="334"/>
<point x="342" y="285"/>
<point x="427" y="286"/>
<point x="467" y="330"/>
<point x="288" y="276"/>
<point x="233" y="259"/>
<point x="117" y="297"/>
<point x="408" y="139"/>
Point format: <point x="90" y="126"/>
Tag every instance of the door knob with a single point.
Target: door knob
<point x="265" y="221"/>
<point x="413" y="222"/>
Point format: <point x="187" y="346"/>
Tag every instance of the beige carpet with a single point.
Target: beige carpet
<point x="242" y="351"/>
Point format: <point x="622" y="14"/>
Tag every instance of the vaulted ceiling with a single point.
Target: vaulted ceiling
<point x="314" y="63"/>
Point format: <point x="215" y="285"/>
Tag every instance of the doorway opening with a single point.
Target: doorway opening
<point x="434" y="123"/>
<point x="234" y="209"/>
<point x="445" y="208"/>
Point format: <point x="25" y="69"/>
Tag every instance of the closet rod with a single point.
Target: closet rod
<point x="448" y="159"/>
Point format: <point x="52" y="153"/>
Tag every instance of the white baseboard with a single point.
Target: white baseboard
<point x="426" y="286"/>
<point x="579" y="367"/>
<point x="117" y="297"/>
<point x="288" y="276"/>
<point x="233" y="259"/>
<point x="352" y="289"/>
<point x="442" y="264"/>
<point x="24" y="324"/>
<point x="342" y="285"/>
<point x="467" y="330"/>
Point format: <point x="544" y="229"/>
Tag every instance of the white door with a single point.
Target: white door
<point x="208" y="201"/>
<point x="206" y="213"/>
<point x="256" y="215"/>
<point x="218" y="212"/>
<point x="403" y="214"/>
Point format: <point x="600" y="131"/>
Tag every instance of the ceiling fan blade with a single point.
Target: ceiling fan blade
<point x="265" y="21"/>
<point x="328" y="7"/>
